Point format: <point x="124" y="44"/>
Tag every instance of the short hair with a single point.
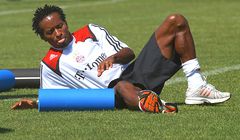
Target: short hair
<point x="41" y="13"/>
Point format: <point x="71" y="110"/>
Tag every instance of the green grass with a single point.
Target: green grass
<point x="215" y="26"/>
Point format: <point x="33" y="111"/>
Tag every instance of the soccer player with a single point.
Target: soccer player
<point x="91" y="57"/>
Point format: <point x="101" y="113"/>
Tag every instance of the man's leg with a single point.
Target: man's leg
<point x="174" y="35"/>
<point x="127" y="95"/>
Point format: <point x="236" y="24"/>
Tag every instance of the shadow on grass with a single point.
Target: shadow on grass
<point x="3" y="97"/>
<point x="7" y="91"/>
<point x="204" y="104"/>
<point x="180" y="103"/>
<point x="5" y="130"/>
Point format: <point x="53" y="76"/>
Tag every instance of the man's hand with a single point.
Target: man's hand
<point x="25" y="104"/>
<point x="124" y="56"/>
<point x="105" y="65"/>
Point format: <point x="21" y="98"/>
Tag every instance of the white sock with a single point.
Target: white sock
<point x="191" y="68"/>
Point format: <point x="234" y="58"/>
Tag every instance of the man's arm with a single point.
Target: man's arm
<point x="124" y="56"/>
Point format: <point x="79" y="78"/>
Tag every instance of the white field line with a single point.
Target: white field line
<point x="179" y="79"/>
<point x="208" y="73"/>
<point x="10" y="12"/>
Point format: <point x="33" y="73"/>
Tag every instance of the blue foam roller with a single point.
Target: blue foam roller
<point x="7" y="80"/>
<point x="75" y="99"/>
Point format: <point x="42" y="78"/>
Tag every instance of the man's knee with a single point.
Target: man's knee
<point x="177" y="20"/>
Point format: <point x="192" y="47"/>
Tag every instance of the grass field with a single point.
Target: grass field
<point x="215" y="26"/>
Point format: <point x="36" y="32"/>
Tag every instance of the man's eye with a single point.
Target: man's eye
<point x="59" y="26"/>
<point x="49" y="32"/>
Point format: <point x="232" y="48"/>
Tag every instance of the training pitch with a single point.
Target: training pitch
<point x="215" y="27"/>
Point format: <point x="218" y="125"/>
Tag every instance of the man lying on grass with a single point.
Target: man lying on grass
<point x="92" y="58"/>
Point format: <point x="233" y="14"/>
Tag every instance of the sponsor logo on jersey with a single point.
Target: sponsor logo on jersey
<point x="90" y="66"/>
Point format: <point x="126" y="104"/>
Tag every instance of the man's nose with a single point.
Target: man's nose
<point x="58" y="33"/>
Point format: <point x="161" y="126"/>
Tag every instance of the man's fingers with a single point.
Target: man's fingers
<point x="99" y="74"/>
<point x="24" y="104"/>
<point x="15" y="106"/>
<point x="101" y="69"/>
<point x="104" y="66"/>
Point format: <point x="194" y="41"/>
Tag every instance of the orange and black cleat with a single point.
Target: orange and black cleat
<point x="149" y="101"/>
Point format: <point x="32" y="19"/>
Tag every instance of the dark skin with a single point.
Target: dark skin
<point x="173" y="34"/>
<point x="55" y="31"/>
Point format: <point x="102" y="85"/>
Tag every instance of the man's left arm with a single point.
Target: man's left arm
<point x="25" y="104"/>
<point x="124" y="56"/>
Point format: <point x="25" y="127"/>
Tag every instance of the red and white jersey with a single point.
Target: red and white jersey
<point x="76" y="65"/>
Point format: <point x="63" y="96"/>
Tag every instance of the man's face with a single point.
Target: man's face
<point x="55" y="31"/>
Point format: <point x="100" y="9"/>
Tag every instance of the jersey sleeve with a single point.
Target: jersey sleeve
<point x="50" y="80"/>
<point x="107" y="41"/>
